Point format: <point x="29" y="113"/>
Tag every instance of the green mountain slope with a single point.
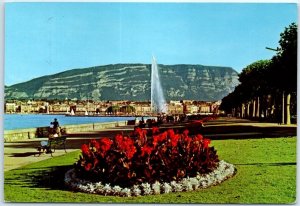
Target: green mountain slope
<point x="129" y="82"/>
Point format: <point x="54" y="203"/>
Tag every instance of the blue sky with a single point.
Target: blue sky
<point x="46" y="38"/>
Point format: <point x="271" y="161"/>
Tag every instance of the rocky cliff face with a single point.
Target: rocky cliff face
<point x="129" y="82"/>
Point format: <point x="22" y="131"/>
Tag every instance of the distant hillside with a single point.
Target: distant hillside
<point x="129" y="82"/>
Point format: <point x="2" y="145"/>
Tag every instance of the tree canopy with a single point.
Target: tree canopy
<point x="268" y="77"/>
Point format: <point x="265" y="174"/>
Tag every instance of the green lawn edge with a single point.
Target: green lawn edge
<point x="266" y="173"/>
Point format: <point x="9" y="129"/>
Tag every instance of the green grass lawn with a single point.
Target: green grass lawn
<point x="266" y="173"/>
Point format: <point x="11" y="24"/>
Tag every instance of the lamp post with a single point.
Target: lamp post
<point x="272" y="49"/>
<point x="282" y="115"/>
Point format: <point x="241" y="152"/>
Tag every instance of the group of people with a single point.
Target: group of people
<point x="149" y="123"/>
<point x="160" y="120"/>
<point x="172" y="118"/>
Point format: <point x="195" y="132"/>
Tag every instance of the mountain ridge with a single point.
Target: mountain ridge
<point x="129" y="82"/>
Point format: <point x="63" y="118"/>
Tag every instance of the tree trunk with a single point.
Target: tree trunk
<point x="248" y="109"/>
<point x="288" y="112"/>
<point x="273" y="105"/>
<point x="243" y="111"/>
<point x="253" y="104"/>
<point x="257" y="108"/>
<point x="282" y="108"/>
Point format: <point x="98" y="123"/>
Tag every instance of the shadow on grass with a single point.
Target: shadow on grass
<point x="24" y="154"/>
<point x="51" y="178"/>
<point x="72" y="143"/>
<point x="269" y="164"/>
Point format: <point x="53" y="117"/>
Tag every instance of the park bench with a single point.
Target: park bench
<point x="53" y="143"/>
<point x="131" y="122"/>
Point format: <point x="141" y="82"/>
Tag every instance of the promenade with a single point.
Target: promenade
<point x="21" y="153"/>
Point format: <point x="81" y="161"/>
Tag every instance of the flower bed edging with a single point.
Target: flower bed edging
<point x="223" y="171"/>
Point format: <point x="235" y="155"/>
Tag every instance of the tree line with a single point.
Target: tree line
<point x="268" y="88"/>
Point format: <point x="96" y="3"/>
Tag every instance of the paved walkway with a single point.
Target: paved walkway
<point x="20" y="154"/>
<point x="23" y="152"/>
<point x="17" y="154"/>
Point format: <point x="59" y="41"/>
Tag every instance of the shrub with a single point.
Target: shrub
<point x="146" y="157"/>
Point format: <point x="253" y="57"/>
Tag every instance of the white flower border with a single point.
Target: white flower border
<point x="223" y="171"/>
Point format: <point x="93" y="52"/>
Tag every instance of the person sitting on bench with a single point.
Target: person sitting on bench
<point x="55" y="128"/>
<point x="53" y="133"/>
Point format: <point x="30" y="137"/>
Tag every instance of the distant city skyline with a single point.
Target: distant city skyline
<point x="47" y="38"/>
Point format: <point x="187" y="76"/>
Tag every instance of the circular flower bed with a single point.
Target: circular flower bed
<point x="147" y="162"/>
<point x="221" y="173"/>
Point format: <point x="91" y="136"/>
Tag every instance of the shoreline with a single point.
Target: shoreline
<point x="39" y="132"/>
<point x="83" y="115"/>
<point x="29" y="121"/>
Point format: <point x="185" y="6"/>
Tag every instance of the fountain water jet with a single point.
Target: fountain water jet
<point x="158" y="102"/>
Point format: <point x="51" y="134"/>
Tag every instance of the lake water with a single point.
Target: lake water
<point x="19" y="121"/>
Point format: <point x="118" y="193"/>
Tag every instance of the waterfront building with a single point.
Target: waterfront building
<point x="204" y="108"/>
<point x="59" y="108"/>
<point x="143" y="108"/>
<point x="25" y="108"/>
<point x="102" y="107"/>
<point x="10" y="107"/>
<point x="175" y="108"/>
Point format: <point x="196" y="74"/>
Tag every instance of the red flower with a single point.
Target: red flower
<point x="88" y="166"/>
<point x="140" y="132"/>
<point x="159" y="138"/>
<point x="144" y="133"/>
<point x="155" y="140"/>
<point x="146" y="150"/>
<point x="95" y="144"/>
<point x="187" y="140"/>
<point x="199" y="137"/>
<point x="186" y="132"/>
<point x="126" y="145"/>
<point x="206" y="142"/>
<point x="105" y="140"/>
<point x="118" y="139"/>
<point x="137" y="130"/>
<point x="85" y="150"/>
<point x="96" y="161"/>
<point x="174" y="140"/>
<point x="163" y="137"/>
<point x="171" y="133"/>
<point x="155" y="130"/>
<point x="130" y="151"/>
<point x="105" y="144"/>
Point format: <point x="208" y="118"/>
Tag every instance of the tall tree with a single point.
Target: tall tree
<point x="284" y="69"/>
<point x="264" y="80"/>
<point x="253" y="78"/>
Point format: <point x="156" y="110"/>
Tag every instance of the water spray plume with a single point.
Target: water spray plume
<point x="158" y="102"/>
